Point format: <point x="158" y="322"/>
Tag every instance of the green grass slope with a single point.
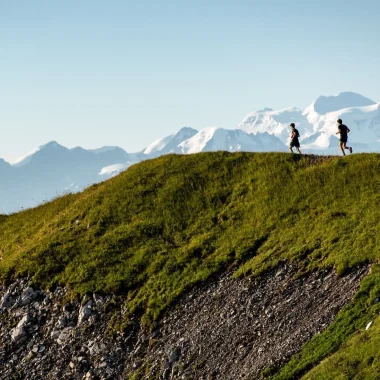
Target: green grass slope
<point x="166" y="224"/>
<point x="359" y="358"/>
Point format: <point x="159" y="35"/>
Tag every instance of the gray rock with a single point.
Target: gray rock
<point x="61" y="323"/>
<point x="64" y="336"/>
<point x="85" y="312"/>
<point x="6" y="301"/>
<point x="99" y="300"/>
<point x="25" y="319"/>
<point x="55" y="334"/>
<point x="18" y="334"/>
<point x="97" y="348"/>
<point x="27" y="296"/>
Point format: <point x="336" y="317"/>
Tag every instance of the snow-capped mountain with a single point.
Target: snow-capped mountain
<point x="317" y="123"/>
<point x="276" y="123"/>
<point x="214" y="139"/>
<point x="170" y="144"/>
<point x="326" y="104"/>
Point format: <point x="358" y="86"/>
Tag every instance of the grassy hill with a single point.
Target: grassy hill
<point x="166" y="224"/>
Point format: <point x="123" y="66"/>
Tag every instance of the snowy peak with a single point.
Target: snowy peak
<point x="214" y="139"/>
<point x="51" y="146"/>
<point x="276" y="122"/>
<point x="182" y="135"/>
<point x="283" y="116"/>
<point x="327" y="104"/>
<point x="169" y="144"/>
<point x="198" y="142"/>
<point x="186" y="132"/>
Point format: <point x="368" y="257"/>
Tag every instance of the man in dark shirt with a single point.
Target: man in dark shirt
<point x="343" y="130"/>
<point x="294" y="142"/>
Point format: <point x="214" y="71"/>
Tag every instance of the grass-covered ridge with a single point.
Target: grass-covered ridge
<point x="165" y="224"/>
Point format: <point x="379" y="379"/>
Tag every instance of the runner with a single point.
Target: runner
<point x="343" y="130"/>
<point x="294" y="142"/>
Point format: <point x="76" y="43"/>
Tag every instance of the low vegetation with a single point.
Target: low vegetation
<point x="166" y="224"/>
<point x="359" y="358"/>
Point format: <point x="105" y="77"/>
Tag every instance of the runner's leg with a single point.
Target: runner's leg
<point x="342" y="147"/>
<point x="347" y="147"/>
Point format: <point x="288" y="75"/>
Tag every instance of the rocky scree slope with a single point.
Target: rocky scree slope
<point x="225" y="329"/>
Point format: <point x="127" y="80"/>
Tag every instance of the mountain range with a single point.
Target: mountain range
<point x="53" y="169"/>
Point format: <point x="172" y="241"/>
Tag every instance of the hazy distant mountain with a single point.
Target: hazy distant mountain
<point x="52" y="169"/>
<point x="4" y="166"/>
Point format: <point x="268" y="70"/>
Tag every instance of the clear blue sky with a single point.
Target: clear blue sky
<point x="95" y="73"/>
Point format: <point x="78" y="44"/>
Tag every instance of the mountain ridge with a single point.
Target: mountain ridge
<point x="52" y="169"/>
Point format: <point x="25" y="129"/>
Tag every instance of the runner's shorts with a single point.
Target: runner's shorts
<point x="295" y="143"/>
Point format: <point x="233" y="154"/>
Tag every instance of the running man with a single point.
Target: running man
<point x="294" y="142"/>
<point x="343" y="130"/>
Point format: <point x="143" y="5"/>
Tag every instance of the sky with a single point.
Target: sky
<point x="92" y="73"/>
